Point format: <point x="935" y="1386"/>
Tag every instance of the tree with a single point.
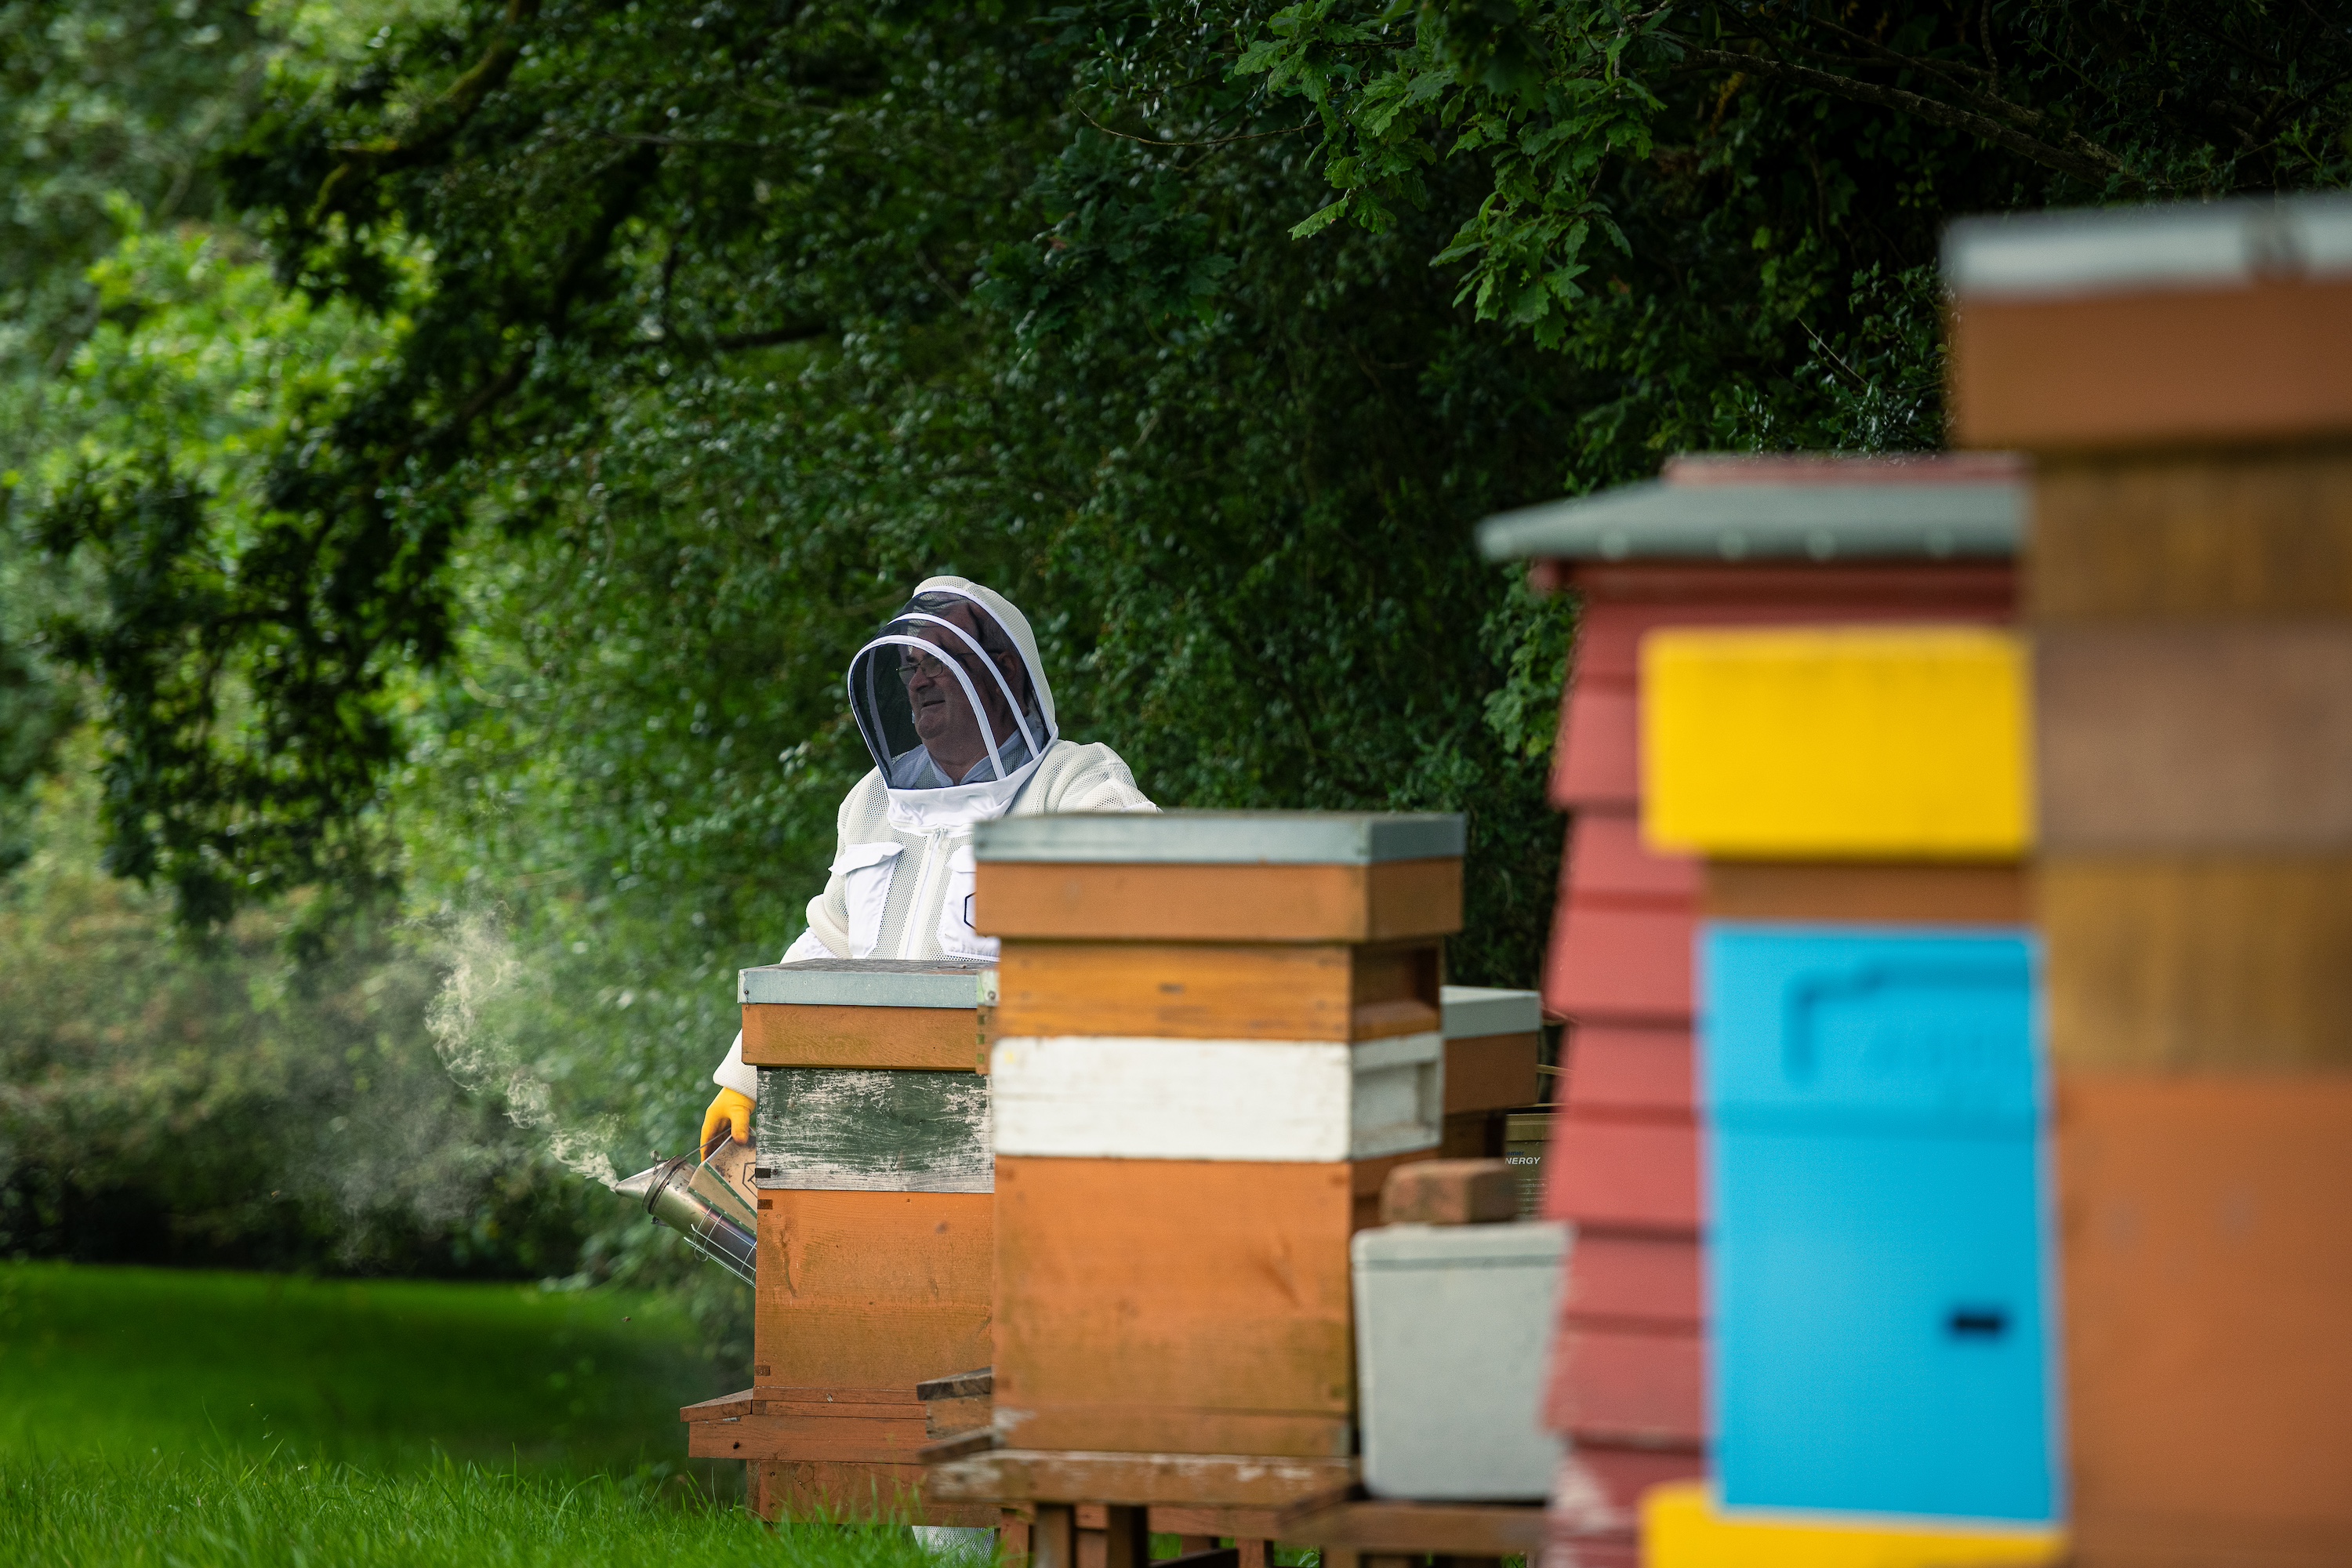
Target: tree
<point x="695" y="333"/>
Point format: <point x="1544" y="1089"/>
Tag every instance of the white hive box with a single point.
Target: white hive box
<point x="1453" y="1324"/>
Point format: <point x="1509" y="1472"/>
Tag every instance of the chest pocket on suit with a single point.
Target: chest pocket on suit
<point x="957" y="938"/>
<point x="865" y="871"/>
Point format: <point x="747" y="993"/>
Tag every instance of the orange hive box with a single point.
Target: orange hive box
<point x="874" y="1202"/>
<point x="1214" y="1033"/>
<point x="2141" y="329"/>
<point x="2180" y="375"/>
<point x="2209" y="1262"/>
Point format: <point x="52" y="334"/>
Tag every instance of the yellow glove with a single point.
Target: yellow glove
<point x="730" y="1113"/>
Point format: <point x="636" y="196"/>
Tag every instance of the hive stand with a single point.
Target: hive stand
<point x="958" y="1410"/>
<point x="875" y="1195"/>
<point x="1356" y="1532"/>
<point x="2181" y="375"/>
<point x="1716" y="541"/>
<point x="1213" y="1035"/>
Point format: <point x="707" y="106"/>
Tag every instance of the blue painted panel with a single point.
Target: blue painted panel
<point x="1868" y="1024"/>
<point x="1878" y="1262"/>
<point x="1879" y="1332"/>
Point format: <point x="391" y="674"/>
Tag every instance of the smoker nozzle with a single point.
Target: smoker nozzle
<point x="691" y="1195"/>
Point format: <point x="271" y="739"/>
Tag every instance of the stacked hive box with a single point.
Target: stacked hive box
<point x="875" y="1184"/>
<point x="1214" y="1034"/>
<point x="1493" y="1040"/>
<point x="2184" y="377"/>
<point x="1874" y="1098"/>
<point x="1716" y="542"/>
<point x="1451" y="1316"/>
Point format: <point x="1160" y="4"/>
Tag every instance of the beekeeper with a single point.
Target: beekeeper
<point x="955" y="708"/>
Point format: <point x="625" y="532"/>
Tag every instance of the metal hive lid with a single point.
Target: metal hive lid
<point x="1509" y="1244"/>
<point x="2172" y="246"/>
<point x="1471" y="1011"/>
<point x="1221" y="838"/>
<point x="865" y="982"/>
<point x="1806" y="507"/>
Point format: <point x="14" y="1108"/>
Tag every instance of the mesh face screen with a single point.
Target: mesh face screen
<point x="944" y="696"/>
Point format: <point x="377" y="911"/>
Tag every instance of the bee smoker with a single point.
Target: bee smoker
<point x="702" y="1198"/>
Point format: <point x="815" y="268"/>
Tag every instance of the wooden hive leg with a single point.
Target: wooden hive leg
<point x="756" y="1496"/>
<point x="1013" y="1535"/>
<point x="1252" y="1553"/>
<point x="1110" y="1536"/>
<point x="1050" y="1532"/>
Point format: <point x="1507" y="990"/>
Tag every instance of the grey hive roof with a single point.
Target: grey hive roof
<point x="2174" y="245"/>
<point x="1221" y="838"/>
<point x="1792" y="507"/>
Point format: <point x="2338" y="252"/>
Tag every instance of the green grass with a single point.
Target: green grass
<point x="381" y="1373"/>
<point x="193" y="1419"/>
<point x="194" y="1512"/>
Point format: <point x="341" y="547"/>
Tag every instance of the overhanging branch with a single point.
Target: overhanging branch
<point x="2096" y="164"/>
<point x="1955" y="74"/>
<point x="438" y="122"/>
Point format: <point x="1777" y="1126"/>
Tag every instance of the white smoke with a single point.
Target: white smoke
<point x="484" y="1056"/>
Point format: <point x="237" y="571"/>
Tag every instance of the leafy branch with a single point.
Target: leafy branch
<point x="2081" y="159"/>
<point x="439" y="122"/>
<point x="1556" y="98"/>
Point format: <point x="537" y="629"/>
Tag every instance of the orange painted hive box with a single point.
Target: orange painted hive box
<point x="875" y="1193"/>
<point x="1213" y="1034"/>
<point x="2180" y="374"/>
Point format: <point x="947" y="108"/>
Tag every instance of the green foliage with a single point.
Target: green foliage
<point x="112" y="115"/>
<point x="200" y="373"/>
<point x="36" y="711"/>
<point x="483" y="500"/>
<point x="1562" y="103"/>
<point x="107" y="108"/>
<point x="235" y="1104"/>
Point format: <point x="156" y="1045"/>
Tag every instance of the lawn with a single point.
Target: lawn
<point x="159" y="1417"/>
<point x="384" y="1373"/>
<point x="192" y="1511"/>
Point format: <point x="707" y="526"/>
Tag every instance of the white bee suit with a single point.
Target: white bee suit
<point x="902" y="880"/>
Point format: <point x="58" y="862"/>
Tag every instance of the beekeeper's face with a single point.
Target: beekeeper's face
<point x="943" y="717"/>
<point x="944" y="695"/>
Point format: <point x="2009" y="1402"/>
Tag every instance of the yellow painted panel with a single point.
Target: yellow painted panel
<point x="1681" y="1529"/>
<point x="1837" y="743"/>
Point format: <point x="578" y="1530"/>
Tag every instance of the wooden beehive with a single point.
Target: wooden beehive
<point x="875" y="1187"/>
<point x="1492" y="1042"/>
<point x="1213" y="1034"/>
<point x="1717" y="541"/>
<point x="1874" y="1098"/>
<point x="2179" y="374"/>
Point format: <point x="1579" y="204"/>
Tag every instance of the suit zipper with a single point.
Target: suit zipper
<point x="922" y="894"/>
